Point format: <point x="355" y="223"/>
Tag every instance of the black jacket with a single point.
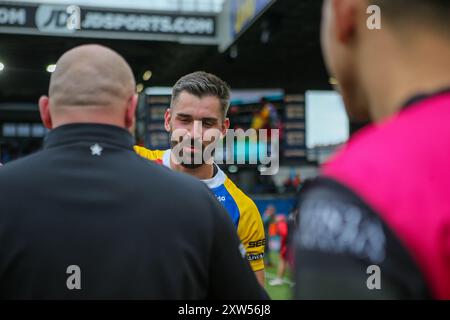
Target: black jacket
<point x="133" y="228"/>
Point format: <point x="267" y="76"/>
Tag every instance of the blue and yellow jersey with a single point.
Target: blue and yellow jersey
<point x="241" y="208"/>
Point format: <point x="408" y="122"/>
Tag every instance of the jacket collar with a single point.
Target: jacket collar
<point x="421" y="97"/>
<point x="89" y="132"/>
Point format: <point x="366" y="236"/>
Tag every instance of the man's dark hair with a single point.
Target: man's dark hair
<point x="434" y="13"/>
<point x="202" y="84"/>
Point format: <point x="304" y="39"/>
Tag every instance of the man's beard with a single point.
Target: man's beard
<point x="193" y="163"/>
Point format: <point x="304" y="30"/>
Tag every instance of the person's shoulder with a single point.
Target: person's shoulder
<point x="22" y="165"/>
<point x="390" y="142"/>
<point x="368" y="155"/>
<point x="21" y="173"/>
<point x="356" y="146"/>
<point x="244" y="203"/>
<point x="384" y="152"/>
<point x="154" y="155"/>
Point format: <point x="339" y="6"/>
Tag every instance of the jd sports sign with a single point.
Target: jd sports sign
<point x="99" y="22"/>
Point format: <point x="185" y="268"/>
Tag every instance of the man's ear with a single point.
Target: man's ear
<point x="345" y="19"/>
<point x="225" y="127"/>
<point x="130" y="115"/>
<point x="167" y="118"/>
<point x="44" y="110"/>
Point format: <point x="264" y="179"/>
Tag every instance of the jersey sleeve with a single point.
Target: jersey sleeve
<point x="153" y="155"/>
<point x="251" y="232"/>
<point x="250" y="228"/>
<point x="231" y="277"/>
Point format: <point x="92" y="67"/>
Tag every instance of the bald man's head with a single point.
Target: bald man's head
<point x="92" y="76"/>
<point x="92" y="84"/>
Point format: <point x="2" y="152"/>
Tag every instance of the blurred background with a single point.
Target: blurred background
<point x="268" y="51"/>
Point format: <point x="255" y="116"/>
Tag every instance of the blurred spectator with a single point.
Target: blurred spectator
<point x="269" y="115"/>
<point x="268" y="219"/>
<point x="292" y="183"/>
<point x="285" y="227"/>
<point x="266" y="118"/>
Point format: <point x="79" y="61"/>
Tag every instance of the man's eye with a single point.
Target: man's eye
<point x="185" y="120"/>
<point x="207" y="124"/>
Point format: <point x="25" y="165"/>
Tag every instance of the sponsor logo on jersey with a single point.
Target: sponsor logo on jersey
<point x="253" y="257"/>
<point x="221" y="198"/>
<point x="256" y="244"/>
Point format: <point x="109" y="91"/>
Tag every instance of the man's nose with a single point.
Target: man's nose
<point x="196" y="130"/>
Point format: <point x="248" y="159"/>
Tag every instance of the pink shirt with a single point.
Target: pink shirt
<point x="401" y="168"/>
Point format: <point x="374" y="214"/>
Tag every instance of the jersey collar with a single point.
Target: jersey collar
<point x="216" y="181"/>
<point x="420" y="97"/>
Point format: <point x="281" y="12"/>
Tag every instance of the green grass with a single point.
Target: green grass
<point x="283" y="292"/>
